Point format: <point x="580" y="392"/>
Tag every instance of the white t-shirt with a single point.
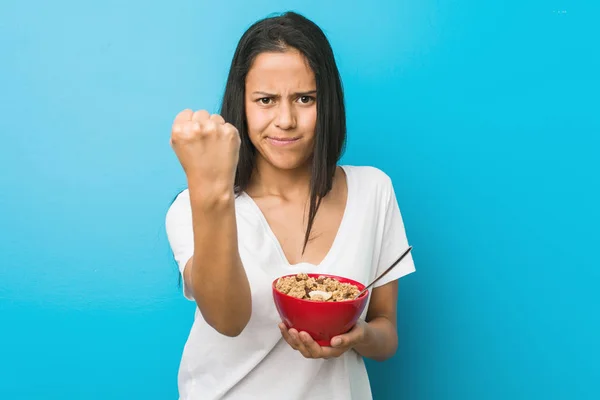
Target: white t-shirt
<point x="259" y="364"/>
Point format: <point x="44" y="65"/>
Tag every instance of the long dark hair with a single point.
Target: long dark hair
<point x="279" y="34"/>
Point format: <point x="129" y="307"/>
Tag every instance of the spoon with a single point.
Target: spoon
<point x="384" y="272"/>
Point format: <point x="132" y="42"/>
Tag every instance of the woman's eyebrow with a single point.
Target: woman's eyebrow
<point x="266" y="94"/>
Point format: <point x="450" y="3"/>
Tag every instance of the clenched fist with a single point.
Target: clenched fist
<point x="207" y="148"/>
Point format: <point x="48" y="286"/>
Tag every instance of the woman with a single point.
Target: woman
<point x="266" y="198"/>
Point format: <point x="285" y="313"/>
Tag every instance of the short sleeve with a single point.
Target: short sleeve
<point x="180" y="234"/>
<point x="394" y="241"/>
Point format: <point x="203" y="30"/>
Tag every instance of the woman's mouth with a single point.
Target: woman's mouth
<point x="282" y="141"/>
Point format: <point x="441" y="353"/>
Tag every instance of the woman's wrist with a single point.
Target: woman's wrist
<point x="379" y="339"/>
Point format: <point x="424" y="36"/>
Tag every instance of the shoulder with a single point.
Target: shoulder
<point x="369" y="178"/>
<point x="181" y="200"/>
<point x="368" y="173"/>
<point x="179" y="208"/>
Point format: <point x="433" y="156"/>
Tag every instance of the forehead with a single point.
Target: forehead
<point x="280" y="71"/>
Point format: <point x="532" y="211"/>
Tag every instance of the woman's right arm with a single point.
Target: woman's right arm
<point x="215" y="273"/>
<point x="208" y="150"/>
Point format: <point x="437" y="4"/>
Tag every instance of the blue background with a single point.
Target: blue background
<point x="485" y="114"/>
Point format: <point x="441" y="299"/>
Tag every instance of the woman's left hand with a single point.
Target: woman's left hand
<point x="340" y="344"/>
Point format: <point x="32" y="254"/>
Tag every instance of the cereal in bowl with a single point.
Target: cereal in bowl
<point x="322" y="288"/>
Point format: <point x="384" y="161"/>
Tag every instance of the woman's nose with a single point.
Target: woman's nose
<point x="285" y="117"/>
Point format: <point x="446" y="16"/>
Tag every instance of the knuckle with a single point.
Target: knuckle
<point x="196" y="128"/>
<point x="176" y="129"/>
<point x="185" y="133"/>
<point x="184" y="113"/>
<point x="200" y="116"/>
<point x="209" y="125"/>
<point x="217" y="117"/>
<point x="192" y="129"/>
<point x="178" y="134"/>
<point x="230" y="127"/>
<point x="230" y="131"/>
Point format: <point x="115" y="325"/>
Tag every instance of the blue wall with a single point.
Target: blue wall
<point x="485" y="114"/>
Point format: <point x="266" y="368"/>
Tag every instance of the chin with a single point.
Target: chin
<point x="287" y="163"/>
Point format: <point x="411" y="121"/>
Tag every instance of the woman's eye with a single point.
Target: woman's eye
<point x="306" y="99"/>
<point x="265" y="101"/>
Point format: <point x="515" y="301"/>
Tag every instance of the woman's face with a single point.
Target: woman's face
<point x="281" y="109"/>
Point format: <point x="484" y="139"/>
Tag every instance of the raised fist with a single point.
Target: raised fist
<point x="207" y="147"/>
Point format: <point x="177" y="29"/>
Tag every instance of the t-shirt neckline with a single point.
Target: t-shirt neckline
<point x="337" y="241"/>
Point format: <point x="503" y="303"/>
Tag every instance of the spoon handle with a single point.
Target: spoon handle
<point x="385" y="272"/>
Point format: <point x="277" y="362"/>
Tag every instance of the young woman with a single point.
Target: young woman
<point x="266" y="198"/>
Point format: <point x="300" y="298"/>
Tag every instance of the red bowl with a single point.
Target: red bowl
<point x="320" y="319"/>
